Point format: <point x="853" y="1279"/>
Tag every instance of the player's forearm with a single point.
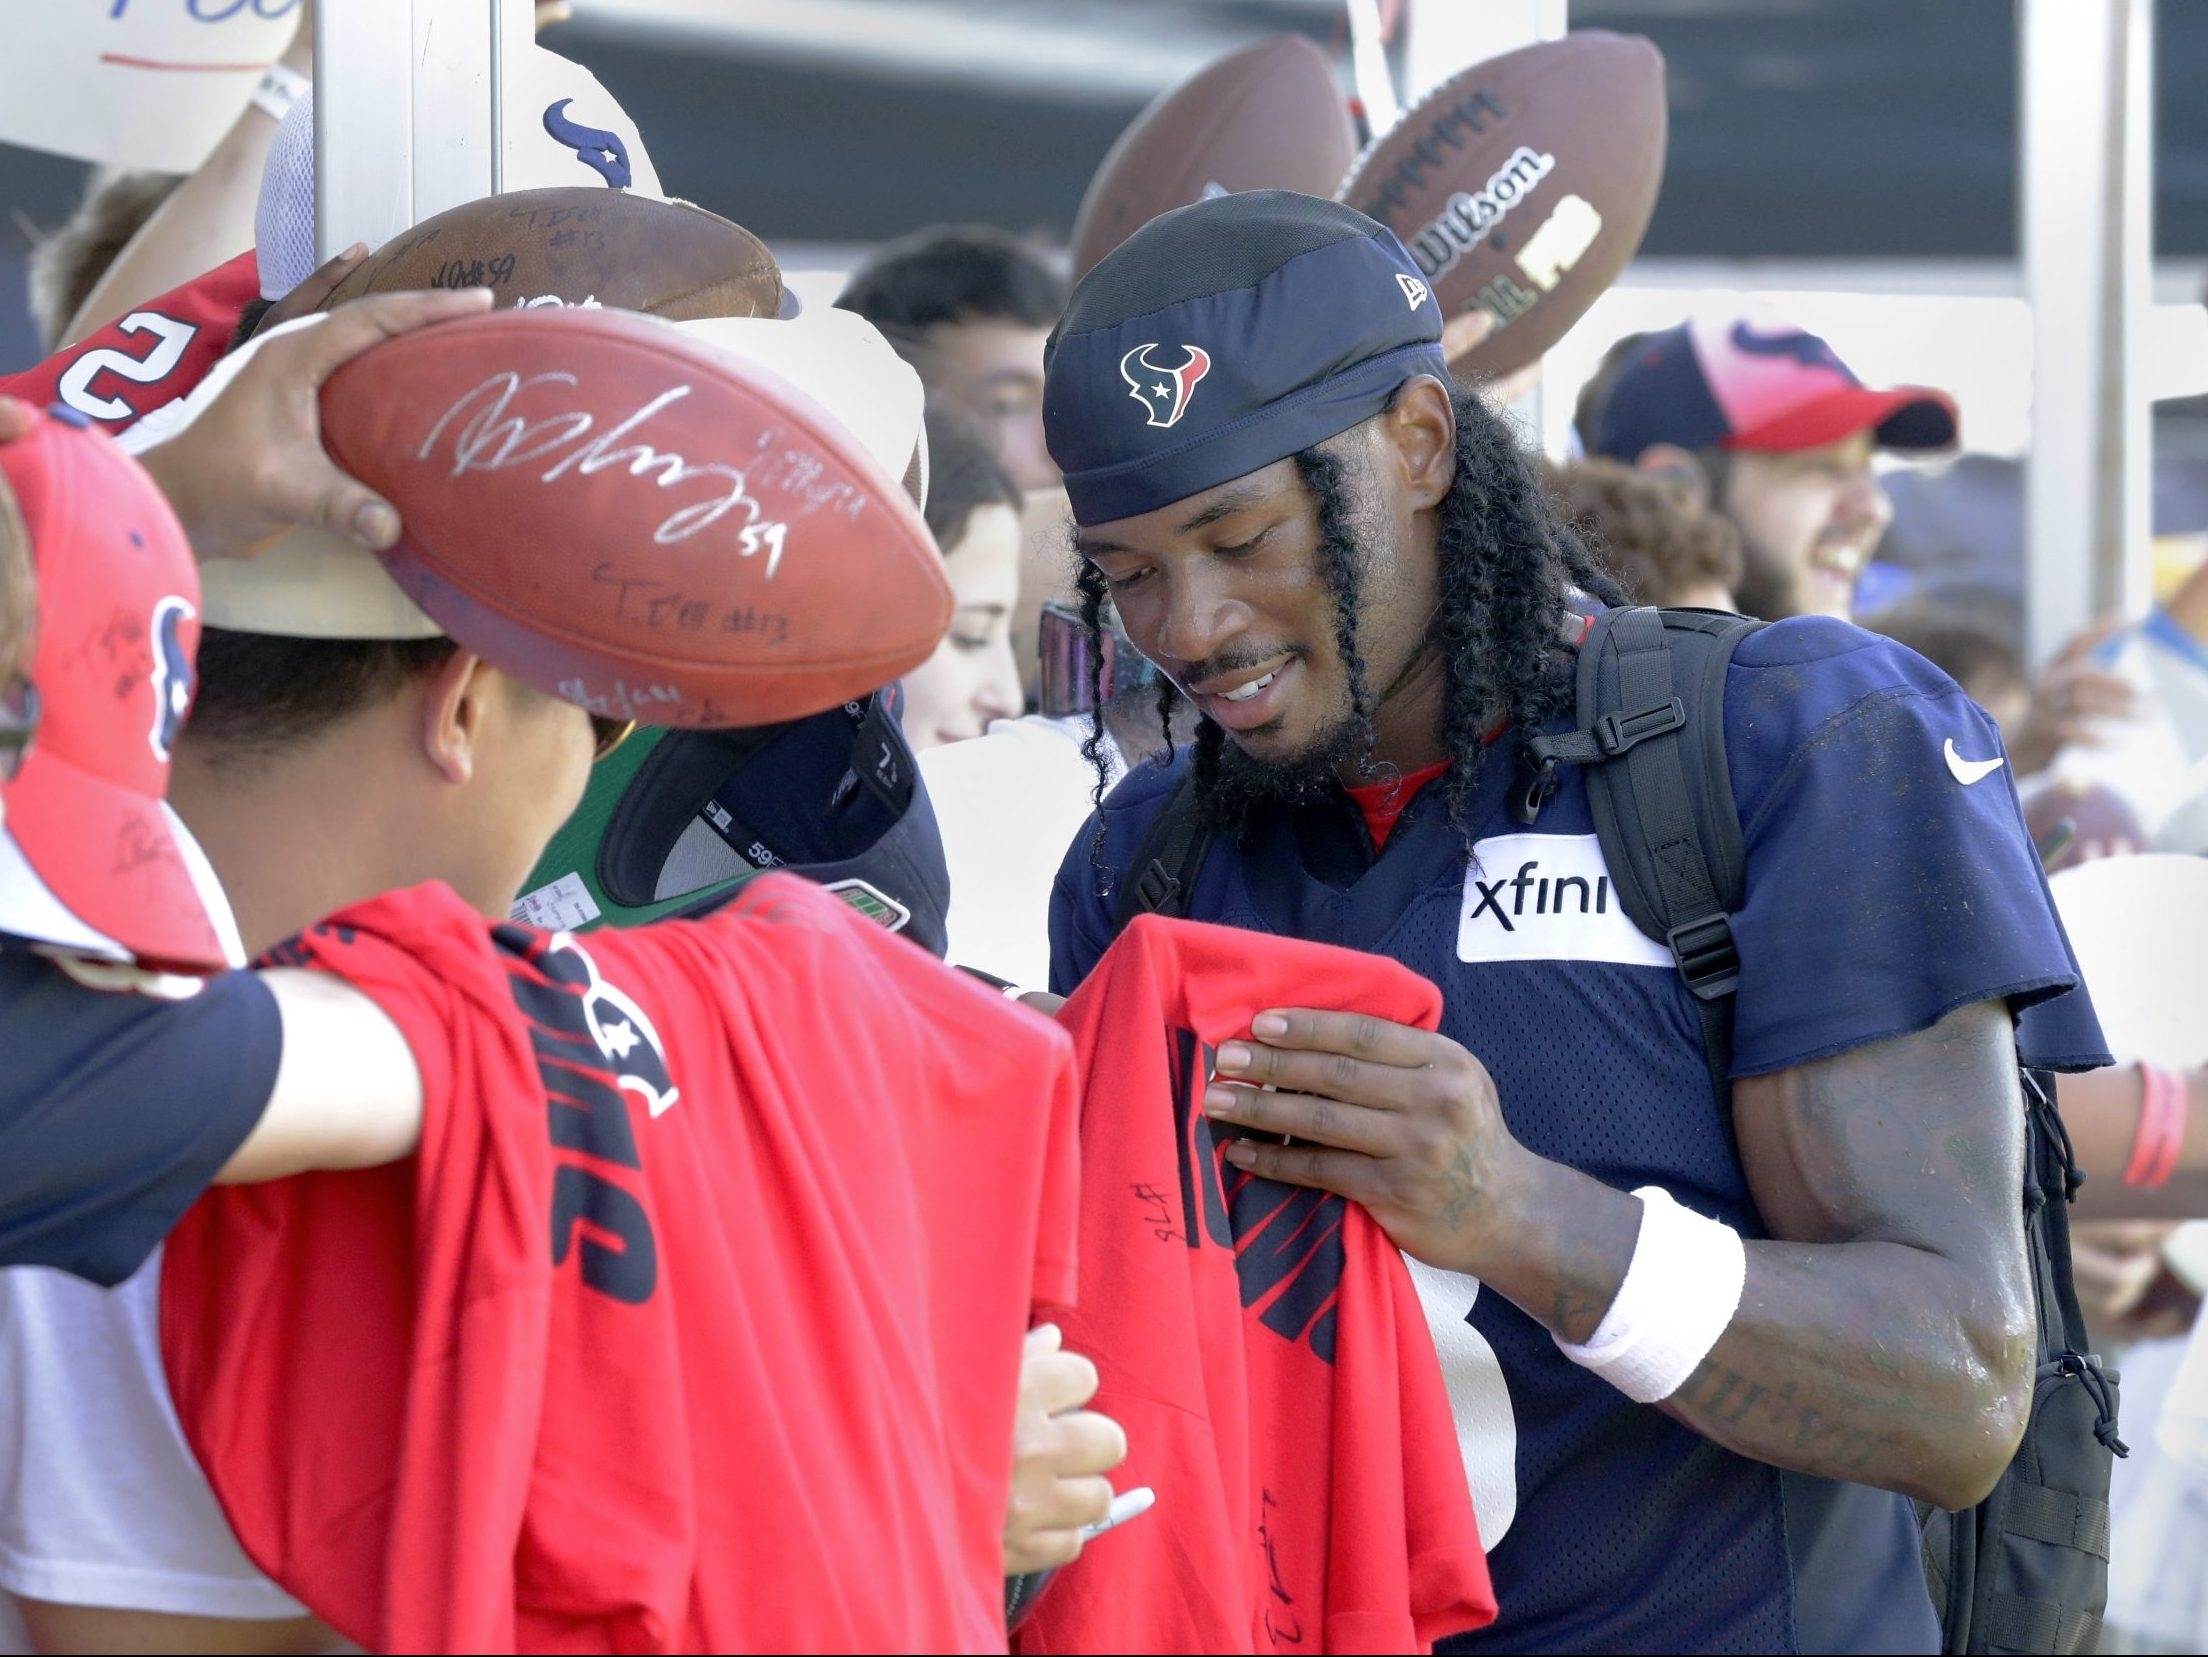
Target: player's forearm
<point x="1872" y="1362"/>
<point x="1867" y="1361"/>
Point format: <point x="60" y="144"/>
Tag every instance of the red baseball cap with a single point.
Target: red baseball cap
<point x="1739" y="384"/>
<point x="118" y="626"/>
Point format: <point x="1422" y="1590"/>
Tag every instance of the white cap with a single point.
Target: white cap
<point x="313" y="585"/>
<point x="568" y="97"/>
<point x="841" y="361"/>
<point x="283" y="219"/>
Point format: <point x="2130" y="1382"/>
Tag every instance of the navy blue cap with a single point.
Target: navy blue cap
<point x="1738" y="384"/>
<point x="675" y="823"/>
<point x="1224" y="336"/>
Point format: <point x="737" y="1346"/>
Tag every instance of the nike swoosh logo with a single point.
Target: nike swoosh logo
<point x="1968" y="771"/>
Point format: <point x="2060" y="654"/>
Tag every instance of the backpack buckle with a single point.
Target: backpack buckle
<point x="1707" y="959"/>
<point x="1540" y="788"/>
<point x="1155" y="888"/>
<point x="1616" y="732"/>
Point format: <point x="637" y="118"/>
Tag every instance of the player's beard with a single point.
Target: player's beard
<point x="1342" y="746"/>
<point x="1245" y="782"/>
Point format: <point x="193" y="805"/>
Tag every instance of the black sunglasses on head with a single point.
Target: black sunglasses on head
<point x="19" y="710"/>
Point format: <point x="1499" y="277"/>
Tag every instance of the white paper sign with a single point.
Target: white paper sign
<point x="134" y="83"/>
<point x="562" y="906"/>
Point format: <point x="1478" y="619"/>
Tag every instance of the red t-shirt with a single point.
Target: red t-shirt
<point x="696" y="1324"/>
<point x="150" y="356"/>
<point x="1383" y="802"/>
<point x="1262" y="1344"/>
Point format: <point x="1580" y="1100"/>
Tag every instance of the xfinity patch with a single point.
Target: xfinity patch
<point x="1547" y="897"/>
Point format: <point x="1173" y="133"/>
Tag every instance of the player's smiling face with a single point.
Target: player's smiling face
<point x="1227" y="593"/>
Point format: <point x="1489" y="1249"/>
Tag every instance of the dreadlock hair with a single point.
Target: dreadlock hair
<point x="1508" y="569"/>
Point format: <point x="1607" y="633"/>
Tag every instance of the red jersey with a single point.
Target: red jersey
<point x="696" y="1324"/>
<point x="148" y="357"/>
<point x="1262" y="1344"/>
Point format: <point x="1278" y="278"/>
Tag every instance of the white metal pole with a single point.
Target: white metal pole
<point x="363" y="123"/>
<point x="409" y="116"/>
<point x="2128" y="579"/>
<point x="2087" y="200"/>
<point x="1443" y="36"/>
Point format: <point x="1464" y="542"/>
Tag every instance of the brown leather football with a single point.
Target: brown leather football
<point x="635" y="521"/>
<point x="1266" y="117"/>
<point x="1523" y="185"/>
<point x="579" y="247"/>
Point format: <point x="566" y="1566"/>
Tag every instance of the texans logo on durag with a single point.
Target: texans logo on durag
<point x="1163" y="392"/>
<point x="1548" y="897"/>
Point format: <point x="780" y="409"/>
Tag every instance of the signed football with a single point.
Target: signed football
<point x="1522" y="185"/>
<point x="1266" y="117"/>
<point x="632" y="520"/>
<point x="584" y="246"/>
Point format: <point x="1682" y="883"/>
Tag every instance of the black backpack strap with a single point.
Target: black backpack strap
<point x="1167" y="860"/>
<point x="1651" y="717"/>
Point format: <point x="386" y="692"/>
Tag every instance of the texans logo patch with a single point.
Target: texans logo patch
<point x="1163" y="392"/>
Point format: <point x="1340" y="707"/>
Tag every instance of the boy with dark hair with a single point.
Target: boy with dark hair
<point x="318" y="771"/>
<point x="970" y="307"/>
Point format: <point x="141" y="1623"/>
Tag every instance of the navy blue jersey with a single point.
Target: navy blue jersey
<point x="1889" y="881"/>
<point x="117" y="1108"/>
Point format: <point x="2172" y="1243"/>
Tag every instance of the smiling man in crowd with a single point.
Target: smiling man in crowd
<point x="1766" y="425"/>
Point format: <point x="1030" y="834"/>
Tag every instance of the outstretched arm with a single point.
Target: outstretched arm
<point x="348" y="1093"/>
<point x="1883" y="1333"/>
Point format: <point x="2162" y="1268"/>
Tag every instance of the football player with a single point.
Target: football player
<point x="1702" y="1352"/>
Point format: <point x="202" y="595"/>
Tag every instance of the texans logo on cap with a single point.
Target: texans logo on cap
<point x="172" y="677"/>
<point x="1805" y="348"/>
<point x="1163" y="392"/>
<point x="600" y="150"/>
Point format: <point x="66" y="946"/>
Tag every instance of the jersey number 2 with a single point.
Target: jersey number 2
<point x="170" y="338"/>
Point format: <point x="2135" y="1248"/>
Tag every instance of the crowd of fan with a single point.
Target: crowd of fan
<point x="107" y="1538"/>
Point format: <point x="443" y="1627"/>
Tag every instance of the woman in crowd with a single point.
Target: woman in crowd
<point x="974" y="512"/>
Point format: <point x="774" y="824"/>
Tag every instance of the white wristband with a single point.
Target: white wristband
<point x="1679" y="1293"/>
<point x="280" y="88"/>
